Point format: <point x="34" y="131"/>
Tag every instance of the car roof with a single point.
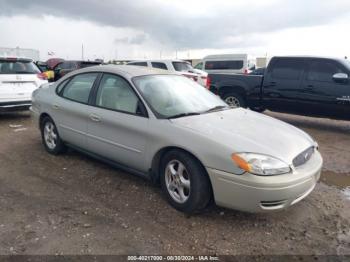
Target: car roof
<point x="227" y="56"/>
<point x="159" y="60"/>
<point x="82" y="61"/>
<point x="309" y="57"/>
<point x="127" y="71"/>
<point x="19" y="59"/>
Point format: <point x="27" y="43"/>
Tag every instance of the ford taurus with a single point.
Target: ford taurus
<point x="171" y="130"/>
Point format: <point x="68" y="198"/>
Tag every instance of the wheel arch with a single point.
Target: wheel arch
<point x="232" y="89"/>
<point x="42" y="117"/>
<point x="156" y="161"/>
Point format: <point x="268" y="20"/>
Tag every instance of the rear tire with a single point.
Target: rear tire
<point x="50" y="137"/>
<point x="234" y="100"/>
<point x="184" y="182"/>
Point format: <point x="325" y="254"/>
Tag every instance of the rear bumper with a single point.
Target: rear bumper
<point x="252" y="193"/>
<point x="15" y="106"/>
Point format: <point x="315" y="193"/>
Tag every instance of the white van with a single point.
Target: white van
<point x="183" y="67"/>
<point x="226" y="63"/>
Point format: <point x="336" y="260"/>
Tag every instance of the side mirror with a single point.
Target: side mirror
<point x="340" y="78"/>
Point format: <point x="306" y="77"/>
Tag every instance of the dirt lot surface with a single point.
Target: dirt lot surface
<point x="71" y="204"/>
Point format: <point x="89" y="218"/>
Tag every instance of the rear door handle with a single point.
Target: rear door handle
<point x="272" y="83"/>
<point x="95" y="118"/>
<point x="55" y="106"/>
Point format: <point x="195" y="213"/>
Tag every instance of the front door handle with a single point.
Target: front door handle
<point x="95" y="118"/>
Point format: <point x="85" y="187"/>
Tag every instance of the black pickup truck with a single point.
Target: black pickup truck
<point x="311" y="86"/>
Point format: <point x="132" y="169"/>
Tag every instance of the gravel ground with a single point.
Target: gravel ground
<point x="72" y="204"/>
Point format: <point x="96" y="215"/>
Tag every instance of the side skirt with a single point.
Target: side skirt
<point x="112" y="163"/>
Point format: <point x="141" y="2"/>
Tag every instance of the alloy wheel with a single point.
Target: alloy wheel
<point x="232" y="101"/>
<point x="177" y="181"/>
<point x="50" y="135"/>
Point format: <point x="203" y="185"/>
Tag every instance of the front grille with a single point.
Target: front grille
<point x="303" y="157"/>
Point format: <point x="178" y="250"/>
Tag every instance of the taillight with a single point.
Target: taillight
<point x="42" y="76"/>
<point x="246" y="71"/>
<point x="208" y="83"/>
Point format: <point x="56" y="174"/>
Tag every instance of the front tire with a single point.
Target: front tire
<point x="50" y="137"/>
<point x="184" y="182"/>
<point x="234" y="100"/>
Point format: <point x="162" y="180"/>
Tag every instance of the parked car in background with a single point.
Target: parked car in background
<point x="19" y="77"/>
<point x="183" y="67"/>
<point x="165" y="127"/>
<point x="258" y="71"/>
<point x="226" y="63"/>
<point x="68" y="66"/>
<point x="44" y="68"/>
<point x="52" y="62"/>
<point x="313" y="86"/>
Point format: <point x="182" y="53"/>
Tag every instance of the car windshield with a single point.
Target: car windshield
<point x="171" y="96"/>
<point x="182" y="66"/>
<point x="18" y="67"/>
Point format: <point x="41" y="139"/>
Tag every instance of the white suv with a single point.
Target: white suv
<point x="183" y="67"/>
<point x="19" y="77"/>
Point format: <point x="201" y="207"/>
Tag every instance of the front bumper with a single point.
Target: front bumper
<point x="15" y="106"/>
<point x="251" y="193"/>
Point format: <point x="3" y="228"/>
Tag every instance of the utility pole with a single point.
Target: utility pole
<point x="82" y="51"/>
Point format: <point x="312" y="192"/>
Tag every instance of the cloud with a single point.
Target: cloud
<point x="187" y="24"/>
<point x="134" y="40"/>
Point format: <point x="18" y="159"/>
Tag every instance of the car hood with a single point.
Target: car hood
<point x="247" y="131"/>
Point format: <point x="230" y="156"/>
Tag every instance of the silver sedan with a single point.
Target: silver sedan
<point x="169" y="129"/>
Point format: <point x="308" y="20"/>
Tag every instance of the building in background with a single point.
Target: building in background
<point x="262" y="62"/>
<point x="20" y="52"/>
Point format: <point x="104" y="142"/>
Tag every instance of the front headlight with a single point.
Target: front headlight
<point x="262" y="165"/>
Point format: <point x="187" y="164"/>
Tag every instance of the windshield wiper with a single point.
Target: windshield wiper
<point x="184" y="114"/>
<point x="216" y="108"/>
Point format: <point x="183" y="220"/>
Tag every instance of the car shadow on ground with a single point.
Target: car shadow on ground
<point x="118" y="178"/>
<point x="5" y="116"/>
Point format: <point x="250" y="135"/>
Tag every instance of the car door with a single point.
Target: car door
<point x="282" y="85"/>
<point x="324" y="95"/>
<point x="71" y="109"/>
<point x="118" y="123"/>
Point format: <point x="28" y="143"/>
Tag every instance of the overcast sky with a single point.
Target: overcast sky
<point x="138" y="29"/>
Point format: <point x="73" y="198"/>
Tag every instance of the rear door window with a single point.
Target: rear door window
<point x="159" y="65"/>
<point x="79" y="87"/>
<point x="18" y="67"/>
<point x="138" y="63"/>
<point x="224" y="65"/>
<point x="322" y="71"/>
<point x="287" y="69"/>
